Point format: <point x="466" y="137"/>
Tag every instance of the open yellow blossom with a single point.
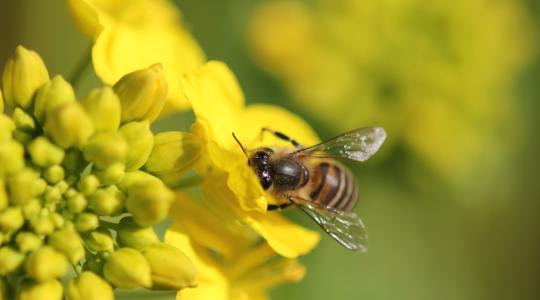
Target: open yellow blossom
<point x="437" y="74"/>
<point x="130" y="35"/>
<point x="218" y="104"/>
<point x="232" y="264"/>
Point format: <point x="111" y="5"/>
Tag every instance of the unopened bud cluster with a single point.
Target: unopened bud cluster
<point x="72" y="194"/>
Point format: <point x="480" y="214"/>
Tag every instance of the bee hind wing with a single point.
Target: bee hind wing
<point x="344" y="227"/>
<point x="359" y="144"/>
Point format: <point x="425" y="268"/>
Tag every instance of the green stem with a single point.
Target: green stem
<point x="81" y="67"/>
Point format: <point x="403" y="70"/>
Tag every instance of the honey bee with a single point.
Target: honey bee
<point x="312" y="179"/>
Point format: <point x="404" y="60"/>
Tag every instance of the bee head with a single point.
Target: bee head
<point x="260" y="163"/>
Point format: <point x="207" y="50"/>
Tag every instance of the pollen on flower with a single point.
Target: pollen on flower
<point x="68" y="196"/>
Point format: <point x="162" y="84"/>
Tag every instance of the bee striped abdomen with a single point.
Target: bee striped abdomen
<point x="333" y="186"/>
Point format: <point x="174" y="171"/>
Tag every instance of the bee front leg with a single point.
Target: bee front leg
<point x="282" y="136"/>
<point x="271" y="207"/>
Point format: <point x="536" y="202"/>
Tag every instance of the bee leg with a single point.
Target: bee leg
<point x="271" y="207"/>
<point x="282" y="136"/>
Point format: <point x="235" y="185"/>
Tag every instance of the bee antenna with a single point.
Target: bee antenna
<point x="240" y="144"/>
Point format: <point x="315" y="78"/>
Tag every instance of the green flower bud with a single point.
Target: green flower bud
<point x="100" y="241"/>
<point x="142" y="94"/>
<point x="42" y="225"/>
<point x="89" y="286"/>
<point x="54" y="174"/>
<point x="23" y="121"/>
<point x="52" y="95"/>
<point x="68" y="241"/>
<point x="134" y="236"/>
<point x="88" y="184"/>
<point x="173" y="154"/>
<point x="140" y="142"/>
<point x="11" y="219"/>
<point x="149" y="202"/>
<point x="4" y="201"/>
<point x="6" y="128"/>
<point x="46" y="263"/>
<point x="23" y="74"/>
<point x="103" y="107"/>
<point x="44" y="153"/>
<point x="69" y="126"/>
<point x="11" y="157"/>
<point x="94" y="263"/>
<point x="86" y="222"/>
<point x="77" y="203"/>
<point x="38" y="187"/>
<point x="130" y="178"/>
<point x="27" y="242"/>
<point x="105" y="203"/>
<point x="18" y="186"/>
<point x="32" y="290"/>
<point x="112" y="174"/>
<point x="171" y="268"/>
<point x="22" y="137"/>
<point x="10" y="260"/>
<point x="105" y="148"/>
<point x="127" y="268"/>
<point x="32" y="208"/>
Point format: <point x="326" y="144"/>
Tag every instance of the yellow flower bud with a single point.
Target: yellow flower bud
<point x="61" y="186"/>
<point x="38" y="187"/>
<point x="52" y="95"/>
<point x="27" y="242"/>
<point x="23" y="121"/>
<point x="127" y="268"/>
<point x="46" y="263"/>
<point x="142" y="94"/>
<point x="140" y="142"/>
<point x="77" y="203"/>
<point x="69" y="125"/>
<point x="10" y="260"/>
<point x="89" y="286"/>
<point x="57" y="220"/>
<point x="32" y="208"/>
<point x="171" y="268"/>
<point x="42" y="225"/>
<point x="6" y="127"/>
<point x="100" y="241"/>
<point x="32" y="290"/>
<point x="88" y="184"/>
<point x="86" y="222"/>
<point x="18" y="186"/>
<point x="103" y="107"/>
<point x="54" y="174"/>
<point x="52" y="195"/>
<point x="1" y="106"/>
<point x="4" y="201"/>
<point x="106" y="148"/>
<point x="130" y="178"/>
<point x="105" y="203"/>
<point x="68" y="241"/>
<point x="11" y="157"/>
<point x="149" y="202"/>
<point x="173" y="154"/>
<point x="134" y="236"/>
<point x="11" y="219"/>
<point x="23" y="74"/>
<point x="44" y="153"/>
<point x="111" y="174"/>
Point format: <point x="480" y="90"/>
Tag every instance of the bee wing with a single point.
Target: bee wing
<point x="344" y="227"/>
<point x="359" y="144"/>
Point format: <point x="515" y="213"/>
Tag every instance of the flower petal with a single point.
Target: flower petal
<point x="245" y="185"/>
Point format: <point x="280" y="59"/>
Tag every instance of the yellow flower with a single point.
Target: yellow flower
<point x="64" y="185"/>
<point x="218" y="104"/>
<point x="232" y="264"/>
<point x="130" y="35"/>
<point x="436" y="74"/>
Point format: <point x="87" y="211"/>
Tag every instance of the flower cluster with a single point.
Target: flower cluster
<point x="437" y="75"/>
<point x="72" y="192"/>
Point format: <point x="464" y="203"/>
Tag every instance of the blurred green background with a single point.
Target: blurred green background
<point x="441" y="226"/>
